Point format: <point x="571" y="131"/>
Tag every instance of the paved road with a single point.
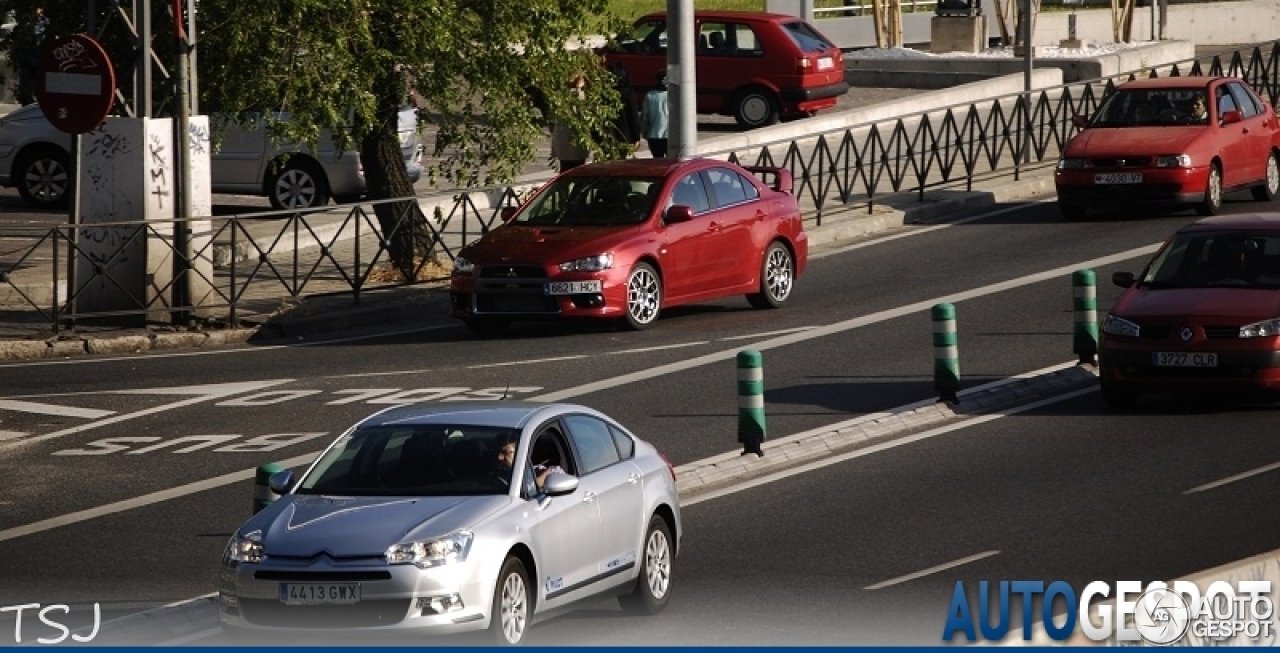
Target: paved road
<point x="783" y="563"/>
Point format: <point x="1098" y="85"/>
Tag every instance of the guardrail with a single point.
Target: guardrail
<point x="346" y="249"/>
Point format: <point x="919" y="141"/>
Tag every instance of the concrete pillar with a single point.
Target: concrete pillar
<point x="958" y="34"/>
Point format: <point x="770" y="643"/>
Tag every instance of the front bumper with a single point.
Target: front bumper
<point x="1243" y="366"/>
<point x="491" y="294"/>
<point x="1159" y="186"/>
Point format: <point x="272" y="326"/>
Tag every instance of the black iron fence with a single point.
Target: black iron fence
<point x="251" y="263"/>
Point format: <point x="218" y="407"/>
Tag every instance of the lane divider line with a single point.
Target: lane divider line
<point x="931" y="570"/>
<point x="1232" y="479"/>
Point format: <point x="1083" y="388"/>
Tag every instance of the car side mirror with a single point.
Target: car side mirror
<point x="558" y="485"/>
<point x="1122" y="279"/>
<point x="1080" y="120"/>
<point x="678" y="213"/>
<point x="281" y="482"/>
<point x="508" y="212"/>
<point x="1231" y="117"/>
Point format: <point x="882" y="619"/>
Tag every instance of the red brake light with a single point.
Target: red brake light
<point x="803" y="64"/>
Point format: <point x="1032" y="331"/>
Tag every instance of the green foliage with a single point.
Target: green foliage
<point x="632" y="9"/>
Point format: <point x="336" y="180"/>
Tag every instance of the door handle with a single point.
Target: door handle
<point x="760" y="216"/>
<point x="714" y="226"/>
<point x="589" y="497"/>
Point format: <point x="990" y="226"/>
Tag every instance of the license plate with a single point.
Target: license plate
<point x="1185" y="359"/>
<point x="571" y="287"/>
<point x="825" y="63"/>
<point x="319" y="593"/>
<point x="1118" y="178"/>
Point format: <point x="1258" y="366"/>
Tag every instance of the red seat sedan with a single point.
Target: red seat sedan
<point x="1204" y="315"/>
<point x="1171" y="141"/>
<point x="625" y="239"/>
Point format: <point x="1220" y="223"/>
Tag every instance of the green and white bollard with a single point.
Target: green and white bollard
<point x="1084" y="288"/>
<point x="262" y="494"/>
<point x="946" y="353"/>
<point x="751" y="429"/>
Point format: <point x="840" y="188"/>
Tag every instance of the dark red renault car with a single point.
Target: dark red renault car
<point x="623" y="240"/>
<point x="1204" y="316"/>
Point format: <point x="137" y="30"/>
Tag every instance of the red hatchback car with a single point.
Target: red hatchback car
<point x="757" y="67"/>
<point x="1175" y="140"/>
<point x="1204" y="314"/>
<point x="625" y="239"/>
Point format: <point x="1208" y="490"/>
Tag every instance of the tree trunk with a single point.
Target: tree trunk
<point x="403" y="224"/>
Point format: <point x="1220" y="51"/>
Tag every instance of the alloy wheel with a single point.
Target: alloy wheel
<point x="644" y="296"/>
<point x="778" y="275"/>
<point x="657" y="563"/>
<point x="514" y="608"/>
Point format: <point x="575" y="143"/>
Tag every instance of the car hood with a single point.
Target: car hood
<point x="1232" y="305"/>
<point x="545" y="245"/>
<point x="309" y="525"/>
<point x="1127" y="141"/>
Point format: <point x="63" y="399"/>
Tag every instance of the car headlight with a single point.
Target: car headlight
<point x="432" y="553"/>
<point x="1118" y="326"/>
<point x="1173" y="161"/>
<point x="463" y="266"/>
<point x="1072" y="163"/>
<point x="1264" y="329"/>
<point x="245" y="548"/>
<point x="588" y="264"/>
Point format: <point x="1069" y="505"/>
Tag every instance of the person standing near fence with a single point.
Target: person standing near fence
<point x="655" y="118"/>
<point x="565" y="146"/>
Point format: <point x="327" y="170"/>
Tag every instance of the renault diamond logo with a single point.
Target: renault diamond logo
<point x="511" y="272"/>
<point x="1186" y="334"/>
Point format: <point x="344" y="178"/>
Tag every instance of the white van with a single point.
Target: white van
<point x="34" y="159"/>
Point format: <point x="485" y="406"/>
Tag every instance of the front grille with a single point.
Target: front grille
<point x="1155" y="331"/>
<point x="1126" y="162"/>
<point x="266" y="612"/>
<point x="1229" y="372"/>
<point x="513" y="289"/>
<point x="1221" y="332"/>
<point x="511" y="272"/>
<point x="322" y="576"/>
<point x="515" y="302"/>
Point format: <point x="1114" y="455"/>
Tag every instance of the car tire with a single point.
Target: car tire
<point x="511" y="609"/>
<point x="43" y="177"/>
<point x="644" y="298"/>
<point x="1072" y="211"/>
<point x="299" y="185"/>
<point x="486" y="326"/>
<point x="1270" y="187"/>
<point x="1118" y="397"/>
<point x="653" y="585"/>
<point x="1212" y="203"/>
<point x="777" y="277"/>
<point x="755" y="107"/>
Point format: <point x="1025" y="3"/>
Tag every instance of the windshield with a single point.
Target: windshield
<point x="1233" y="259"/>
<point x="1153" y="106"/>
<point x="415" y="460"/>
<point x="583" y="201"/>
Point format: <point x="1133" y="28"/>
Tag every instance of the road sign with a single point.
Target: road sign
<point x="75" y="83"/>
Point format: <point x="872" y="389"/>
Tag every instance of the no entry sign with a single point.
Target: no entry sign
<point x="75" y="83"/>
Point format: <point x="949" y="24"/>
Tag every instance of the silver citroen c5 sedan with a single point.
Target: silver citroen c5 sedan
<point x="456" y="517"/>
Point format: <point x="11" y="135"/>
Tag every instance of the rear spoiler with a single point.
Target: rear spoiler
<point x="776" y="178"/>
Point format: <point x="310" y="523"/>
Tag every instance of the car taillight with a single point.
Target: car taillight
<point x="803" y="64"/>
<point x="670" y="468"/>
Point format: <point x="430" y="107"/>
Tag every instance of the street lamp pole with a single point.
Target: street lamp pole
<point x="682" y="80"/>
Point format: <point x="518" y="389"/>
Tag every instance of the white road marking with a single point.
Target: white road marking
<point x="884" y="446"/>
<point x="919" y="231"/>
<point x="207" y="392"/>
<point x="1232" y="479"/>
<point x="534" y="361"/>
<point x="367" y="374"/>
<point x="641" y="350"/>
<point x="838" y="327"/>
<point x="931" y="570"/>
<point x="768" y="333"/>
<point x="11" y="435"/>
<point x="52" y="409"/>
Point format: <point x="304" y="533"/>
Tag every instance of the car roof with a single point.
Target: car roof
<point x="756" y="16"/>
<point x="1242" y="221"/>
<point x="1170" y="82"/>
<point x="504" y="413"/>
<point x="645" y="167"/>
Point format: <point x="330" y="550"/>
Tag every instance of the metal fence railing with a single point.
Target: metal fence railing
<point x="251" y="262"/>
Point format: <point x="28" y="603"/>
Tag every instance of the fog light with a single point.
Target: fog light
<point x="440" y="604"/>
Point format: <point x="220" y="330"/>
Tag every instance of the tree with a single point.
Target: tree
<point x="474" y="67"/>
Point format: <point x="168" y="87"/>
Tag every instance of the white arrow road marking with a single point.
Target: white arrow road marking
<point x="206" y="392"/>
<point x="52" y="409"/>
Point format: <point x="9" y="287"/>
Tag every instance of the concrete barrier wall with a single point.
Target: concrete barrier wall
<point x="1208" y="23"/>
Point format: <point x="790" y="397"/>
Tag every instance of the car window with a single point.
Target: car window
<point x="626" y="446"/>
<point x="729" y="187"/>
<point x="690" y="192"/>
<point x="646" y="37"/>
<point x="1207" y="259"/>
<point x="593" y="441"/>
<point x="1245" y="99"/>
<point x="592" y="201"/>
<point x="713" y="39"/>
<point x="745" y="41"/>
<point x="434" y="460"/>
<point x="1225" y="101"/>
<point x="1147" y="107"/>
<point x="806" y="37"/>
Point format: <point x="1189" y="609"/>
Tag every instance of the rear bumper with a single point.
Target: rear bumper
<point x="801" y="96"/>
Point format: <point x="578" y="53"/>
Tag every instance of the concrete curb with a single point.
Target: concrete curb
<point x="709" y="474"/>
